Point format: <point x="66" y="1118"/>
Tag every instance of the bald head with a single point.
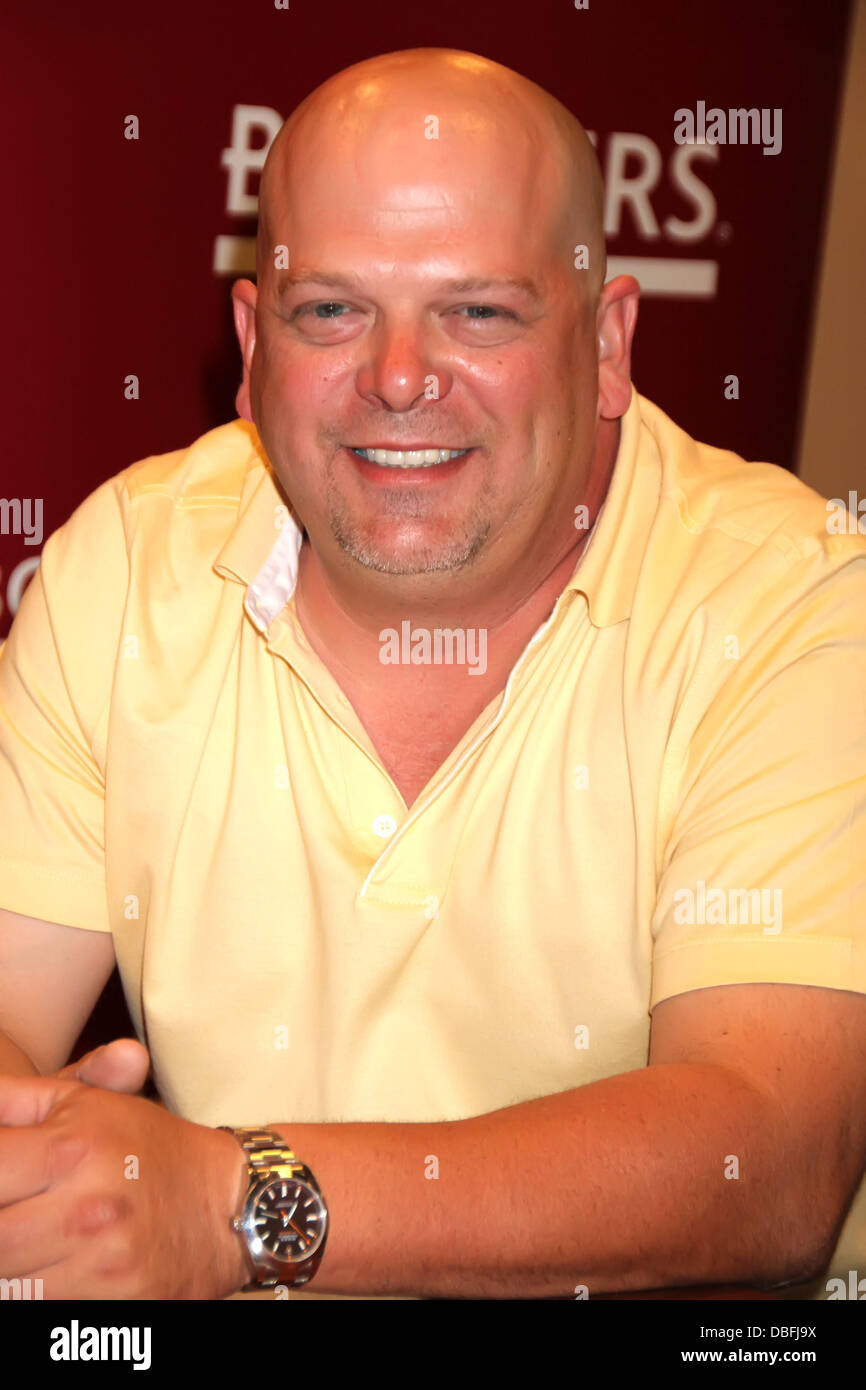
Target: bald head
<point x="441" y="126"/>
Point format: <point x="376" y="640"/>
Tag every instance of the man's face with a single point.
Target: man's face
<point x="430" y="303"/>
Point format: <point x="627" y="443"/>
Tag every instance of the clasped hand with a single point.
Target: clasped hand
<point x="104" y="1194"/>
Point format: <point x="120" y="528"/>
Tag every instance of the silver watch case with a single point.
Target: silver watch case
<point x="262" y="1196"/>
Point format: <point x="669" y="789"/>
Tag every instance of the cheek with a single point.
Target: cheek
<point x="507" y="385"/>
<point x="298" y="386"/>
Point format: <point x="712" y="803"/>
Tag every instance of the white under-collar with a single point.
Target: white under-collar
<point x="277" y="579"/>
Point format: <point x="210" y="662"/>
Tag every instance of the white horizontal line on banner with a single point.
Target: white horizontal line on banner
<point x="680" y="279"/>
<point x="234" y="255"/>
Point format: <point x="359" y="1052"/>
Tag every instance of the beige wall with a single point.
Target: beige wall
<point x="832" y="456"/>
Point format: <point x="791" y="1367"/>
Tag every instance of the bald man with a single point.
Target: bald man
<point x="464" y="766"/>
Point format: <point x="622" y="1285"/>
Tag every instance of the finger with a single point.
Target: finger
<point x="30" y="1158"/>
<point x="35" y="1234"/>
<point x="122" y="1065"/>
<point x="26" y="1100"/>
<point x="75" y="1243"/>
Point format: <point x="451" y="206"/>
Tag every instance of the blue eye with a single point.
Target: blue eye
<point x="479" y="312"/>
<point x="332" y="304"/>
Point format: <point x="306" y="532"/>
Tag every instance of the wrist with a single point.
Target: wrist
<point x="232" y="1269"/>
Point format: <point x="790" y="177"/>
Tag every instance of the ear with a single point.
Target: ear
<point x="244" y="296"/>
<point x="616" y="318"/>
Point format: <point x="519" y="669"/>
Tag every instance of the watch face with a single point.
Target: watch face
<point x="289" y="1220"/>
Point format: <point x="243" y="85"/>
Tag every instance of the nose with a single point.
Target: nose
<point x="401" y="372"/>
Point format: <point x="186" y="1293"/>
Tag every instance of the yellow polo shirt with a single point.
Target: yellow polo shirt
<point x="669" y="793"/>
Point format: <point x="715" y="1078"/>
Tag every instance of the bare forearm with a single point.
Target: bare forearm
<point x="617" y="1185"/>
<point x="14" y="1060"/>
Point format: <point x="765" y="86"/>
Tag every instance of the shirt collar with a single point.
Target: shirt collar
<point x="267" y="568"/>
<point x="606" y="572"/>
<point x="608" y="569"/>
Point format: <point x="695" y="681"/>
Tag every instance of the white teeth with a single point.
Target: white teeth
<point x="409" y="458"/>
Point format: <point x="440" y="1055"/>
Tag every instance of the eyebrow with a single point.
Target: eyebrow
<point x="471" y="285"/>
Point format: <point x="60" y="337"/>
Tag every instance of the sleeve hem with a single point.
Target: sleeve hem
<point x="63" y="896"/>
<point x="829" y="964"/>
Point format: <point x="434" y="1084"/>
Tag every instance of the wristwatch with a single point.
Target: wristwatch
<point x="284" y="1219"/>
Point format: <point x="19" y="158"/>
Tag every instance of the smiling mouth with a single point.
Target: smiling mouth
<point x="408" y="458"/>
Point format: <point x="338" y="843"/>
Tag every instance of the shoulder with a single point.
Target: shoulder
<point x="160" y="521"/>
<point x="151" y="530"/>
<point x="212" y="469"/>
<point x="729" y="530"/>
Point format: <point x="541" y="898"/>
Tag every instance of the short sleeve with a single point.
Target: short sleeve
<point x="765" y="872"/>
<point x="55" y="683"/>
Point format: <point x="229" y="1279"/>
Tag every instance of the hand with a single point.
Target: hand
<point x="121" y="1065"/>
<point x="106" y="1195"/>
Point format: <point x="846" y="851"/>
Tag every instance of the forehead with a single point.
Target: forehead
<point x="461" y="180"/>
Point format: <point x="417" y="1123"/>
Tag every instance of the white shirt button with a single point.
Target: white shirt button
<point x="384" y="826"/>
